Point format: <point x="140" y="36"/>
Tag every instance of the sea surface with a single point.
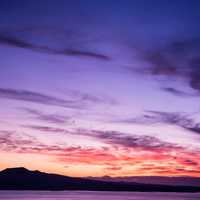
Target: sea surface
<point x="86" y="195"/>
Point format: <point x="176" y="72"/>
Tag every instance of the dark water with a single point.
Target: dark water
<point x="78" y="195"/>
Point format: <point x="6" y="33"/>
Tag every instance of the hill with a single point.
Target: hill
<point x="24" y="179"/>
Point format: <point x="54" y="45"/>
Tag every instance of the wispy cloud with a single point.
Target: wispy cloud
<point x="178" y="119"/>
<point x="81" y="53"/>
<point x="51" y="118"/>
<point x="74" y="100"/>
<point x="114" y="138"/>
<point x="91" y="98"/>
<point x="35" y="97"/>
<point x="113" y="158"/>
<point x="48" y="129"/>
<point x="11" y="141"/>
<point x="178" y="58"/>
<point x="178" y="93"/>
<point x="19" y="38"/>
<point x="142" y="142"/>
<point x="113" y="168"/>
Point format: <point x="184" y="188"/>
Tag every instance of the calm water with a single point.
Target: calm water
<point x="76" y="195"/>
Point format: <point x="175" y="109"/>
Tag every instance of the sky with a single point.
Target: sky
<point x="100" y="88"/>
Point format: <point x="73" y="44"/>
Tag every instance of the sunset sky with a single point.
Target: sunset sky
<point x="95" y="88"/>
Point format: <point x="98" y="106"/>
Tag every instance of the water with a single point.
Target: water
<point x="86" y="195"/>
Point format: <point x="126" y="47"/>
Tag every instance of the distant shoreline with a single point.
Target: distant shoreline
<point x="21" y="179"/>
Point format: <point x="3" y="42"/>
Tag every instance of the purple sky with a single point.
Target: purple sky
<point x="100" y="87"/>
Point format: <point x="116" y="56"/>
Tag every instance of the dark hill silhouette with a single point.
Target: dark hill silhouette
<point x="161" y="180"/>
<point x="24" y="179"/>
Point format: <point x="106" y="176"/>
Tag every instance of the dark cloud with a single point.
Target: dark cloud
<point x="86" y="97"/>
<point x="114" y="138"/>
<point x="13" y="41"/>
<point x="75" y="100"/>
<point x="144" y="142"/>
<point x="145" y="119"/>
<point x="177" y="92"/>
<point x="185" y="170"/>
<point x="81" y="53"/>
<point x="160" y="64"/>
<point x="35" y="97"/>
<point x="52" y="118"/>
<point x="47" y="129"/>
<point x="177" y="119"/>
<point x="179" y="58"/>
<point x="173" y="118"/>
<point x="113" y="168"/>
<point x="190" y="162"/>
<point x="18" y="38"/>
<point x="195" y="128"/>
<point x="117" y="152"/>
<point x="12" y="141"/>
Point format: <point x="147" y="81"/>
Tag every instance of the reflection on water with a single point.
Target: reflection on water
<point x="86" y="195"/>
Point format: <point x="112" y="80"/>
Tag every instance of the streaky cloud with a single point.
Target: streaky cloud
<point x="178" y="93"/>
<point x="144" y="142"/>
<point x="177" y="119"/>
<point x="178" y="58"/>
<point x="86" y="97"/>
<point x="155" y="117"/>
<point x="35" y="97"/>
<point x="112" y="158"/>
<point x="51" y="118"/>
<point x="13" y="39"/>
<point x="113" y="138"/>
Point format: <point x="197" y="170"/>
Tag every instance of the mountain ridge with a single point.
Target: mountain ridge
<point x="24" y="179"/>
<point x="163" y="180"/>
